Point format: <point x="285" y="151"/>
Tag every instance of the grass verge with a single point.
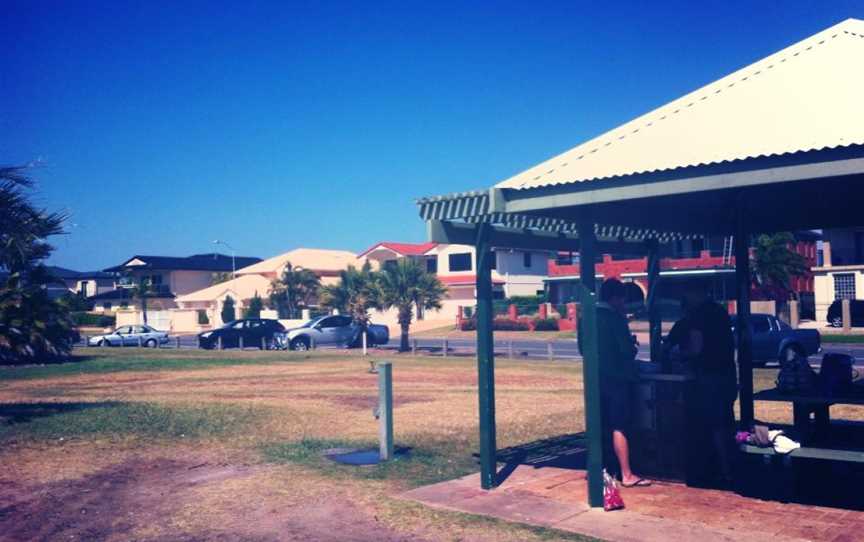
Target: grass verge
<point x="118" y="419"/>
<point x="843" y="339"/>
<point x="148" y="360"/>
<point x="424" y="465"/>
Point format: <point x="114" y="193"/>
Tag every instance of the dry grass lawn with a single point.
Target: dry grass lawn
<point x="167" y="445"/>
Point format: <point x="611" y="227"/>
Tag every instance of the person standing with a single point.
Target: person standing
<point x="618" y="375"/>
<point x="709" y="348"/>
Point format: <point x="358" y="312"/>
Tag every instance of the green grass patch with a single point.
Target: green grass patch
<point x="421" y="466"/>
<point x="118" y="419"/>
<point x="843" y="338"/>
<point x="126" y="363"/>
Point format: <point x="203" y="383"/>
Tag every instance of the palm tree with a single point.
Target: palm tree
<point x="407" y="285"/>
<point x="140" y="290"/>
<point x="296" y="288"/>
<point x="355" y="294"/>
<point x="33" y="327"/>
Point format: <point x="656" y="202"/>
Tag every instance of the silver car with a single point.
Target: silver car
<point x="331" y="331"/>
<point x="130" y="336"/>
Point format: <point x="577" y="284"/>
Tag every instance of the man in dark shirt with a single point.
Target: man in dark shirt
<point x="709" y="347"/>
<point x="618" y="373"/>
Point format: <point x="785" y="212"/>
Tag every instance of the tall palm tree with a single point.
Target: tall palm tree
<point x="355" y="294"/>
<point x="407" y="285"/>
<point x="141" y="290"/>
<point x="296" y="288"/>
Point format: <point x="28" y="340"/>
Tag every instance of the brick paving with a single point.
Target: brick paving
<point x="556" y="497"/>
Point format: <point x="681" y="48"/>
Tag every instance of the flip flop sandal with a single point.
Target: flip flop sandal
<point x="641" y="482"/>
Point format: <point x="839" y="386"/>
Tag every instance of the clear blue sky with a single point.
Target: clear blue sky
<point x="164" y="125"/>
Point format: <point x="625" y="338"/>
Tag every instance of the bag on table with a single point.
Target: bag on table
<point x="611" y="495"/>
<point x="796" y="376"/>
<point x="835" y="373"/>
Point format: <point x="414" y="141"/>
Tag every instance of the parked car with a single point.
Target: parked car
<point x="774" y="339"/>
<point x="252" y="330"/>
<point x="332" y="331"/>
<point x="130" y="336"/>
<point x="856" y="313"/>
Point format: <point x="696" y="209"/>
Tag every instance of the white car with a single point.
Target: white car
<point x="129" y="336"/>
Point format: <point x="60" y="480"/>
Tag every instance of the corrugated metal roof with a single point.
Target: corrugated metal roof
<point x="805" y="97"/>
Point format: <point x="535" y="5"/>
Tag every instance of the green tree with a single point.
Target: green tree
<point x="295" y="289"/>
<point x="405" y="286"/>
<point x="255" y="306"/>
<point x="356" y="293"/>
<point x="775" y="263"/>
<point x="228" y="310"/>
<point x="33" y="327"/>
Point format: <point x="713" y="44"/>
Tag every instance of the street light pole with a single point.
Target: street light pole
<point x="233" y="263"/>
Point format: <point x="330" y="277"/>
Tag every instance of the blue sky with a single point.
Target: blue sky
<point x="160" y="126"/>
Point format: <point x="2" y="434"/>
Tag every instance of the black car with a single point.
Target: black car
<point x="254" y="331"/>
<point x="856" y="310"/>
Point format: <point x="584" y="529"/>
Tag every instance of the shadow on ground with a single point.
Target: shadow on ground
<point x="17" y="413"/>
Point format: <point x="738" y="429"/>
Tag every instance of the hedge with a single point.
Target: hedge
<point x="498" y="324"/>
<point x="93" y="320"/>
<point x="545" y="324"/>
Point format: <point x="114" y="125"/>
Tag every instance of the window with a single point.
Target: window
<point x="761" y="324"/>
<point x="390" y="264"/>
<point x="564" y="258"/>
<point x="494" y="262"/>
<point x="432" y="265"/>
<point x="526" y="260"/>
<point x="460" y="262"/>
<point x="844" y="286"/>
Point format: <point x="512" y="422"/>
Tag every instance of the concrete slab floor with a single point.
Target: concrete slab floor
<point x="669" y="512"/>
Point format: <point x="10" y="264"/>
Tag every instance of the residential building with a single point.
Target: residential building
<point x="707" y="260"/>
<point x="515" y="272"/>
<point x="84" y="283"/>
<point x="168" y="277"/>
<point x="202" y="308"/>
<point x="840" y="271"/>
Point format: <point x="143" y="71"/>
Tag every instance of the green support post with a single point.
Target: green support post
<point x="591" y="363"/>
<point x="385" y="410"/>
<point x="742" y="307"/>
<point x="485" y="360"/>
<point x="655" y="330"/>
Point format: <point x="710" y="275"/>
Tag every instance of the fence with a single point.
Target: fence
<point x="563" y="349"/>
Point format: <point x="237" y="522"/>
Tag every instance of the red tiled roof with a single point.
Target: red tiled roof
<point x="404" y="249"/>
<point x="459" y="280"/>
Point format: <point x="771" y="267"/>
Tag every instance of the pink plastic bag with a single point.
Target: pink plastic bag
<point x="611" y="496"/>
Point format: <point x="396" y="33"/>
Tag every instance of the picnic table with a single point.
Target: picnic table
<point x="816" y="403"/>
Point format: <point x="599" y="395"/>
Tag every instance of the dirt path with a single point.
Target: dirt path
<point x="169" y="499"/>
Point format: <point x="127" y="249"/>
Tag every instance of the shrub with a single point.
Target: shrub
<point x="255" y="306"/>
<point x="545" y="324"/>
<point x="93" y="320"/>
<point x="498" y="324"/>
<point x="228" y="310"/>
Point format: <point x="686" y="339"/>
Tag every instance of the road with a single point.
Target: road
<point x="565" y="349"/>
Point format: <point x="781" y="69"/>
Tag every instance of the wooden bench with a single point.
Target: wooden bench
<point x="785" y="479"/>
<point x="806" y="452"/>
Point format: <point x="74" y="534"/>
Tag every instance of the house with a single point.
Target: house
<point x="708" y="260"/>
<point x="86" y="283"/>
<point x="168" y="277"/>
<point x="515" y="272"/>
<point x="203" y="307"/>
<point x="839" y="274"/>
